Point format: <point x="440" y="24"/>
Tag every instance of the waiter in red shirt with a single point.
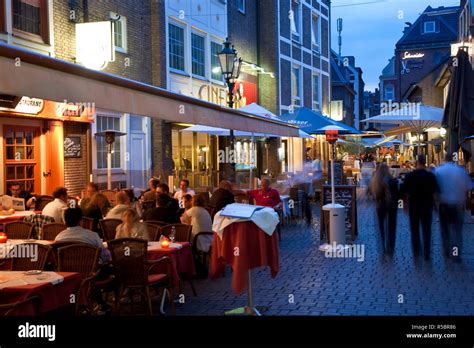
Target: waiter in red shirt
<point x="266" y="196"/>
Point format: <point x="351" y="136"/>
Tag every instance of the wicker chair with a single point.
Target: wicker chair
<point x="18" y="230"/>
<point x="183" y="232"/>
<point x="27" y="263"/>
<point x="42" y="201"/>
<point x="109" y="228"/>
<point x="50" y="231"/>
<point x="27" y="307"/>
<point x="154" y="231"/>
<point x="132" y="269"/>
<point x="87" y="223"/>
<point x="83" y="259"/>
<point x="148" y="205"/>
<point x="38" y="221"/>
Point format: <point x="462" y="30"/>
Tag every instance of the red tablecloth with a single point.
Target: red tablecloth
<point x="181" y="261"/>
<point x="51" y="296"/>
<point x="255" y="249"/>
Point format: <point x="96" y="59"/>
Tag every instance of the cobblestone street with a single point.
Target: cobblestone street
<point x="345" y="286"/>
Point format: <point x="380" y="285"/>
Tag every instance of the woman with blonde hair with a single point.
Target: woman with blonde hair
<point x="384" y="188"/>
<point x="131" y="227"/>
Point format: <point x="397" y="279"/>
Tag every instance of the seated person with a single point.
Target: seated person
<point x="131" y="227"/>
<point x="150" y="194"/>
<point x="170" y="202"/>
<point x="95" y="208"/>
<point x="183" y="190"/>
<point x="222" y="196"/>
<point x="162" y="212"/>
<point x="123" y="203"/>
<point x="188" y="203"/>
<point x="56" y="208"/>
<point x="91" y="189"/>
<point x="199" y="218"/>
<point x="16" y="191"/>
<point x="266" y="196"/>
<point x="75" y="233"/>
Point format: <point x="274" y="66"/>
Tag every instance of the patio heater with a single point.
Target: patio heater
<point x="337" y="212"/>
<point x="230" y="66"/>
<point x="110" y="136"/>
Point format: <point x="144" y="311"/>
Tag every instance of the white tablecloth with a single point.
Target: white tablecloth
<point x="266" y="219"/>
<point x="6" y="248"/>
<point x="18" y="214"/>
<point x="19" y="278"/>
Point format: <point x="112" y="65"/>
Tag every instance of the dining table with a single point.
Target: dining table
<point x="16" y="216"/>
<point x="7" y="248"/>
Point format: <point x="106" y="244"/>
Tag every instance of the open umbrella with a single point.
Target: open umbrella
<point x="459" y="110"/>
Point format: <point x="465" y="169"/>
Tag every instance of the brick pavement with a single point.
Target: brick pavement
<point x="332" y="286"/>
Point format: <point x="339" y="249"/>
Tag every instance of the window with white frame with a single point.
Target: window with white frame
<point x="296" y="85"/>
<point x="315" y="91"/>
<point x="315" y="32"/>
<point x="120" y="32"/>
<point x="108" y="123"/>
<point x="295" y="20"/>
<point x="429" y="27"/>
<point x="198" y="53"/>
<point x="241" y="5"/>
<point x="216" y="73"/>
<point x="176" y="47"/>
<point x="389" y="92"/>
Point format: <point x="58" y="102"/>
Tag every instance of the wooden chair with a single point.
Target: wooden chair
<point x="154" y="231"/>
<point x="133" y="270"/>
<point x="28" y="263"/>
<point x="183" y="232"/>
<point x="87" y="223"/>
<point x="50" y="231"/>
<point x="18" y="230"/>
<point x="83" y="259"/>
<point x="27" y="307"/>
<point x="42" y="202"/>
<point x="109" y="228"/>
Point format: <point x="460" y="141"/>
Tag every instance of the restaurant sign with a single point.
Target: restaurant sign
<point x="72" y="147"/>
<point x="95" y="46"/>
<point x="32" y="106"/>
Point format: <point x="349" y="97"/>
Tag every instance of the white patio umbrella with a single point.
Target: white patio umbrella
<point x="418" y="117"/>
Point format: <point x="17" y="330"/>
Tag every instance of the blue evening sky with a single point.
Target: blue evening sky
<point x="372" y="27"/>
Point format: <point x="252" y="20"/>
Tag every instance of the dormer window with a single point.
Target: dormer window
<point x="429" y="27"/>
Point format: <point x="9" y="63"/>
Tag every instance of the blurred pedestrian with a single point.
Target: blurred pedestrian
<point x="384" y="188"/>
<point x="421" y="187"/>
<point x="454" y="184"/>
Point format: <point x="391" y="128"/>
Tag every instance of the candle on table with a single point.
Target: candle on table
<point x="3" y="238"/>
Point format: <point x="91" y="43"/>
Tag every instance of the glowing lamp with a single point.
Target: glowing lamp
<point x="331" y="135"/>
<point x="3" y="238"/>
<point x="165" y="243"/>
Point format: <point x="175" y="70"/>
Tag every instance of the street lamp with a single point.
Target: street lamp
<point x="230" y="67"/>
<point x="110" y="136"/>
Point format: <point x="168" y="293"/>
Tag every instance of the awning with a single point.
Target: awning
<point x="226" y="132"/>
<point x="48" y="78"/>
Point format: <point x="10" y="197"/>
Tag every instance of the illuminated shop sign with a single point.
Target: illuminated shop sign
<point x="408" y="55"/>
<point x="32" y="106"/>
<point x="95" y="44"/>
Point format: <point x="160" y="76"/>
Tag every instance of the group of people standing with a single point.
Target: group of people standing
<point x="421" y="192"/>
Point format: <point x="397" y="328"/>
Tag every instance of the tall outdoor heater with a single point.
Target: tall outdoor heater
<point x="230" y="67"/>
<point x="337" y="212"/>
<point x="110" y="136"/>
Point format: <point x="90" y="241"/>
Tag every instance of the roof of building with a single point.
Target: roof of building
<point x="389" y="69"/>
<point x="446" y="19"/>
<point x="340" y="73"/>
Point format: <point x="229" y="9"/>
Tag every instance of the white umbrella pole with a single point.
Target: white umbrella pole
<point x="251" y="162"/>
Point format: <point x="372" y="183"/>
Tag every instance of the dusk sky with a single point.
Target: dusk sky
<point x="372" y="27"/>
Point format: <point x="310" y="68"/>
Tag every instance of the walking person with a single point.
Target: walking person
<point x="454" y="184"/>
<point x="384" y="188"/>
<point x="421" y="187"/>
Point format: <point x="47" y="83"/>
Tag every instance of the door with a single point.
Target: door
<point x="54" y="165"/>
<point x="22" y="157"/>
<point x="137" y="161"/>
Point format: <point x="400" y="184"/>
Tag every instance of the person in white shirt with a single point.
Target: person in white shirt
<point x="56" y="208"/>
<point x="183" y="190"/>
<point x="123" y="203"/>
<point x="454" y="184"/>
<point x="198" y="217"/>
<point x="76" y="233"/>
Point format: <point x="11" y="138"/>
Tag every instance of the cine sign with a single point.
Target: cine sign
<point x="95" y="46"/>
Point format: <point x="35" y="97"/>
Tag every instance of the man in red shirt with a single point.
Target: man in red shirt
<point x="266" y="196"/>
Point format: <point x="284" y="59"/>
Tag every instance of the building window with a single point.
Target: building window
<point x="241" y="5"/>
<point x="296" y="85"/>
<point x="295" y="20"/>
<point x="31" y="17"/>
<point x="198" y="55"/>
<point x="108" y="123"/>
<point x="389" y="92"/>
<point x="429" y="27"/>
<point x="216" y="73"/>
<point x="120" y="32"/>
<point x="315" y="89"/>
<point x="136" y="123"/>
<point x="315" y="33"/>
<point x="176" y="47"/>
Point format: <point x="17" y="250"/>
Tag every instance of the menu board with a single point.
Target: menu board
<point x="346" y="196"/>
<point x="338" y="172"/>
<point x="72" y="147"/>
